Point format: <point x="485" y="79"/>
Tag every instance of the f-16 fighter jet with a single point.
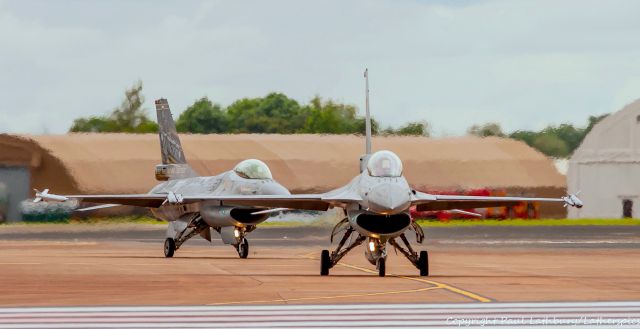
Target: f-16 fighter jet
<point x="173" y="200"/>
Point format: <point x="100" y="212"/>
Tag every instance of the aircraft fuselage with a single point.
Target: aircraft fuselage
<point x="214" y="213"/>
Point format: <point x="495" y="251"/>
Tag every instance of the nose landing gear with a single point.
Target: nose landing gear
<point x="381" y="266"/>
<point x="243" y="248"/>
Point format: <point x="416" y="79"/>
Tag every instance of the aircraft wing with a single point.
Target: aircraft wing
<point x="297" y="201"/>
<point x="140" y="200"/>
<point x="427" y="202"/>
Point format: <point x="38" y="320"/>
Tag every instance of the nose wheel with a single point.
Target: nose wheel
<point x="382" y="267"/>
<point x="243" y="248"/>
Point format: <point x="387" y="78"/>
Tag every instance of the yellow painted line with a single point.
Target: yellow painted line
<point x="286" y="300"/>
<point x="439" y="285"/>
<point x="445" y="286"/>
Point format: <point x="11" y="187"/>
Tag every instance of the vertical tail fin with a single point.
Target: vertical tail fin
<point x="174" y="164"/>
<point x="170" y="146"/>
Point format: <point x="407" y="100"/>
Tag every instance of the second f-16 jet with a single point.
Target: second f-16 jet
<point x="172" y="200"/>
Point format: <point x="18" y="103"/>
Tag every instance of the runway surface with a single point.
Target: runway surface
<point x="509" y="315"/>
<point x="85" y="265"/>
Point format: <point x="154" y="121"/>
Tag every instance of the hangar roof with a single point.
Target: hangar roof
<point x="124" y="163"/>
<point x="614" y="139"/>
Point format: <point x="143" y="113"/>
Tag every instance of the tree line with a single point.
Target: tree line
<point x="558" y="141"/>
<point x="278" y="114"/>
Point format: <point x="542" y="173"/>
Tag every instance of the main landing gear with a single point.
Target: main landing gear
<point x="376" y="250"/>
<point x="327" y="261"/>
<point x="179" y="231"/>
<point x="420" y="261"/>
<point x="169" y="247"/>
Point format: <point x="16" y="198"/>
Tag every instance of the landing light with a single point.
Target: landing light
<point x="372" y="246"/>
<point x="236" y="233"/>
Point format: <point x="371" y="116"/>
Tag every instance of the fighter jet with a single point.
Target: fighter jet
<point x="186" y="218"/>
<point x="376" y="206"/>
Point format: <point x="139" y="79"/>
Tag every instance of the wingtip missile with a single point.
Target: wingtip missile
<point x="572" y="200"/>
<point x="46" y="196"/>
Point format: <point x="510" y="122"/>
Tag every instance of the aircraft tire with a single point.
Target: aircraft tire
<point x="169" y="247"/>
<point x="243" y="248"/>
<point x="423" y="263"/>
<point x="382" y="267"/>
<point x="325" y="262"/>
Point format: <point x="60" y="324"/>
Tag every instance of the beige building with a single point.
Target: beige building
<point x="606" y="167"/>
<point x="124" y="163"/>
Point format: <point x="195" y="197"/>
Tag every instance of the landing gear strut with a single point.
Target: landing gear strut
<point x="421" y="262"/>
<point x="381" y="266"/>
<point x="327" y="261"/>
<point x="182" y="230"/>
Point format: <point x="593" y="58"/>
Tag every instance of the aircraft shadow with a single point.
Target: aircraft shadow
<point x="196" y="257"/>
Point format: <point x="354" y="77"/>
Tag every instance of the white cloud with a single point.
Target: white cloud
<point x="525" y="64"/>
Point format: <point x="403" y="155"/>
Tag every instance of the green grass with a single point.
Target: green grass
<point x="97" y="221"/>
<point x="530" y="222"/>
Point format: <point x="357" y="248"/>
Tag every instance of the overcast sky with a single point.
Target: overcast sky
<point x="524" y="64"/>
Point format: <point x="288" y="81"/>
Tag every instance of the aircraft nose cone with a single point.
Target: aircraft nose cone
<point x="389" y="199"/>
<point x="273" y="188"/>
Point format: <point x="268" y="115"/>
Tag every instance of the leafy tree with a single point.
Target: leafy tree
<point x="571" y="135"/>
<point x="551" y="145"/>
<point x="129" y="117"/>
<point x="329" y="117"/>
<point x="557" y="141"/>
<point x="275" y="113"/>
<point x="593" y="119"/>
<point x="414" y="129"/>
<point x="360" y="125"/>
<point x="486" y="130"/>
<point x="93" y="124"/>
<point x="526" y="136"/>
<point x="203" y="117"/>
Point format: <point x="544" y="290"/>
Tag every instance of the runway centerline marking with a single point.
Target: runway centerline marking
<point x="434" y="286"/>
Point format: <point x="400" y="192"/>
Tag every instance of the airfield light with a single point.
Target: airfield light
<point x="372" y="246"/>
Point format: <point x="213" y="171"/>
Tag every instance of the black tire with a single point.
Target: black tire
<point x="423" y="263"/>
<point x="243" y="248"/>
<point x="325" y="262"/>
<point x="382" y="266"/>
<point x="169" y="247"/>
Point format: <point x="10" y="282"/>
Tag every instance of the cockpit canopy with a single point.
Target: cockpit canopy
<point x="384" y="164"/>
<point x="253" y="169"/>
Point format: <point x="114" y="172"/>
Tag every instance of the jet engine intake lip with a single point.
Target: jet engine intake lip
<point x="245" y="216"/>
<point x="383" y="224"/>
